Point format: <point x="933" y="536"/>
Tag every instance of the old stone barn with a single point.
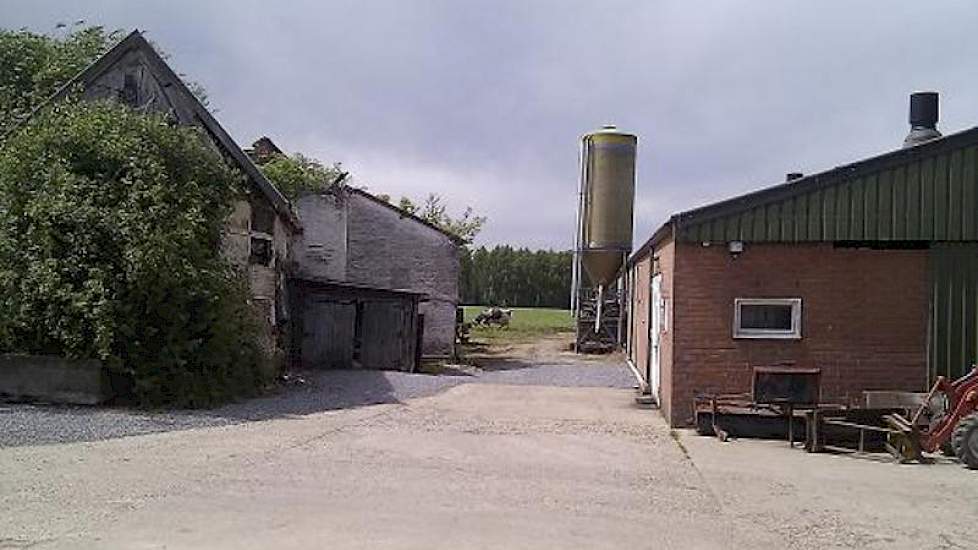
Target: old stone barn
<point x="343" y="279"/>
<point x="377" y="287"/>
<point x="260" y="230"/>
<point x="867" y="272"/>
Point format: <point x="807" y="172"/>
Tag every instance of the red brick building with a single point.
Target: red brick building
<point x="868" y="272"/>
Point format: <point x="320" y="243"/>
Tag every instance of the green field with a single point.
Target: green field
<point x="527" y="323"/>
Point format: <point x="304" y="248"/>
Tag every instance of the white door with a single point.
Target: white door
<point x="655" y="331"/>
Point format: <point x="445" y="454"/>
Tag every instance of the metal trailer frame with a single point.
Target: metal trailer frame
<point x="909" y="433"/>
<point x="775" y="391"/>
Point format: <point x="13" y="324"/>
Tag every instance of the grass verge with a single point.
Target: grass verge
<point x="526" y="324"/>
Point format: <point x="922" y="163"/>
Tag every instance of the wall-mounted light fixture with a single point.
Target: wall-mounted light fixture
<point x="735" y="248"/>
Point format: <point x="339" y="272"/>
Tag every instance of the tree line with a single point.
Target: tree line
<point x="520" y="277"/>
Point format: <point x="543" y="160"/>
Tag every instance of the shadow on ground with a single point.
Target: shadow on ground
<point x="535" y="363"/>
<point x="339" y="389"/>
<point x="35" y="424"/>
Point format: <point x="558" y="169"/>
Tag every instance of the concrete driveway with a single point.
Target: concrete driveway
<point x="476" y="466"/>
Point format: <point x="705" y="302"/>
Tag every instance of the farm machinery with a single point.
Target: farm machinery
<point x="907" y="425"/>
<point x="946" y="420"/>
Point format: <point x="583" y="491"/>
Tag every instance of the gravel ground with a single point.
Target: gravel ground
<point x="474" y="466"/>
<point x="24" y="424"/>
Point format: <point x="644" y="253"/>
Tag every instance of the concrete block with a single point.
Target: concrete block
<point x="53" y="379"/>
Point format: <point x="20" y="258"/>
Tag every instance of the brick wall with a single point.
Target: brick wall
<point x="864" y="319"/>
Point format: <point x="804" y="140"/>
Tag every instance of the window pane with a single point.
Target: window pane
<point x="262" y="218"/>
<point x="765" y="317"/>
<point x="261" y="251"/>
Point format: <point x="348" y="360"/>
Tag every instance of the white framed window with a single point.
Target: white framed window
<point x="773" y="318"/>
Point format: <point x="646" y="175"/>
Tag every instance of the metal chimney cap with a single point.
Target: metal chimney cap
<point x="923" y="118"/>
<point x="608" y="129"/>
<point x="924" y="109"/>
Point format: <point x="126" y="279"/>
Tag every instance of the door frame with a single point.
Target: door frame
<point x="653" y="367"/>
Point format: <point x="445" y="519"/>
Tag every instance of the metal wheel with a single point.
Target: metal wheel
<point x="965" y="441"/>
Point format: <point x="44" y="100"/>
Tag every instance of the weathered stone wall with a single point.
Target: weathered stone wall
<point x="53" y="379"/>
<point x="236" y="241"/>
<point x="320" y="250"/>
<point x="267" y="283"/>
<point x="389" y="250"/>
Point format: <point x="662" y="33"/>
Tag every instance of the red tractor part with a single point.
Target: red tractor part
<point x="957" y="427"/>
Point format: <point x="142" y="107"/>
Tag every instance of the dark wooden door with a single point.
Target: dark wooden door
<point x="383" y="335"/>
<point x="328" y="334"/>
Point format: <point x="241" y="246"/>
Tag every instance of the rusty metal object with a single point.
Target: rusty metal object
<point x="775" y="392"/>
<point x="909" y="434"/>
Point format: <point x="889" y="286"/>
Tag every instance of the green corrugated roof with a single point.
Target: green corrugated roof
<point x="926" y="193"/>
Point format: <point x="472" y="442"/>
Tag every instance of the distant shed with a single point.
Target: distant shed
<point x="351" y="236"/>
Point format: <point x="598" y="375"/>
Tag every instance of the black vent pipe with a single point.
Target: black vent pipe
<point x="923" y="118"/>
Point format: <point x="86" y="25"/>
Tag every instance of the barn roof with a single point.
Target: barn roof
<point x="928" y="192"/>
<point x="203" y="117"/>
<point x="267" y="148"/>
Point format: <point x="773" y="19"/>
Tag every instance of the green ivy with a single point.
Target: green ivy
<point x="298" y="175"/>
<point x="110" y="235"/>
<point x="34" y="66"/>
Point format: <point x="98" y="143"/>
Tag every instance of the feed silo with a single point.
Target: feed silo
<point x="604" y="234"/>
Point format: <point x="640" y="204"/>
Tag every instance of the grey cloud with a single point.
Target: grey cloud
<point x="485" y="101"/>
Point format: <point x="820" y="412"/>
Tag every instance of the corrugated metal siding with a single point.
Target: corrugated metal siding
<point x="953" y="342"/>
<point x="928" y="198"/>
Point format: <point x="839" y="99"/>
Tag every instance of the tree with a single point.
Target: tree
<point x="297" y="174"/>
<point x="111" y="226"/>
<point x="506" y="276"/>
<point x="434" y="210"/>
<point x="34" y="66"/>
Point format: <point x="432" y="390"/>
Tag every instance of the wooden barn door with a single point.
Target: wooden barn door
<point x="328" y="333"/>
<point x="384" y="331"/>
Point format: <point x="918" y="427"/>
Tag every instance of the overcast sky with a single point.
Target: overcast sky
<point x="485" y="102"/>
